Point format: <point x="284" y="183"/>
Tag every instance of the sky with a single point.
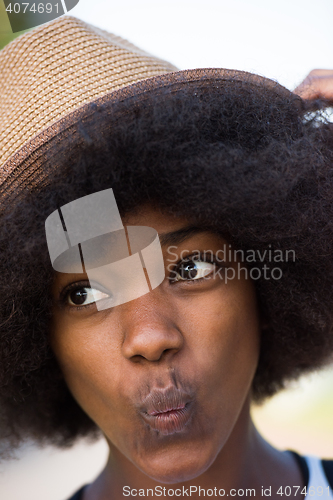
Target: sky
<point x="283" y="40"/>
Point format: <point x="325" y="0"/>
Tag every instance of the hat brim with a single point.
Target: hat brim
<point x="35" y="162"/>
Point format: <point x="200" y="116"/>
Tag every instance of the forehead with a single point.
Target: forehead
<point x="152" y="216"/>
<point x="172" y="229"/>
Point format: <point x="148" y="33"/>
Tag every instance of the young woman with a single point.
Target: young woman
<point x="234" y="173"/>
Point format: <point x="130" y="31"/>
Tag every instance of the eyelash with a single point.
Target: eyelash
<point x="63" y="298"/>
<point x="64" y="293"/>
<point x="202" y="257"/>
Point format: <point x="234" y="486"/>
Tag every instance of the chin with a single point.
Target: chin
<point x="175" y="469"/>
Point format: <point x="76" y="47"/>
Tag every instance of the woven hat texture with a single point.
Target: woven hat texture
<point x="56" y="68"/>
<point x="51" y="76"/>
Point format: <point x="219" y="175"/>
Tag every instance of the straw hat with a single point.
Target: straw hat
<point x="49" y="75"/>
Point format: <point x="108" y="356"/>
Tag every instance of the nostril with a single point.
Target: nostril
<point x="137" y="358"/>
<point x="153" y="357"/>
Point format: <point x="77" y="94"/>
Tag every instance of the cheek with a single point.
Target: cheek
<point x="224" y="337"/>
<point x="86" y="353"/>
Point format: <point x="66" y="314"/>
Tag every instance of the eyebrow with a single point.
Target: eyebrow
<point x="176" y="237"/>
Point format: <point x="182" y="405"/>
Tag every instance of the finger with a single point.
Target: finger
<point x="320" y="72"/>
<point x="318" y="84"/>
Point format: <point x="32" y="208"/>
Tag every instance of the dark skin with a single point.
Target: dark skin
<point x="200" y="337"/>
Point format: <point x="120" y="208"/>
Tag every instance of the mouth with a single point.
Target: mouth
<point x="167" y="410"/>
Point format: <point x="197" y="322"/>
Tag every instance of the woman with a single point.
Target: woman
<point x="234" y="173"/>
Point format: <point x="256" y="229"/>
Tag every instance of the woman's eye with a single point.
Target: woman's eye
<point x="193" y="270"/>
<point x="84" y="296"/>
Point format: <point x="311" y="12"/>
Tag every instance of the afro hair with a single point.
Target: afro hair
<point x="246" y="159"/>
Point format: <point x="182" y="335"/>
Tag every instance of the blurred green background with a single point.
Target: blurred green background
<point x="6" y="34"/>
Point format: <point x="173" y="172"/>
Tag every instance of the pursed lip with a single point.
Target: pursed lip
<point x="167" y="410"/>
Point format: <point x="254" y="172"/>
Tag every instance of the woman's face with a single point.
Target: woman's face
<point x="165" y="376"/>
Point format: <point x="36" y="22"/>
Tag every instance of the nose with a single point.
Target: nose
<point x="149" y="330"/>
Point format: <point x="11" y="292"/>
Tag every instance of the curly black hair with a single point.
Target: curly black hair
<point x="249" y="160"/>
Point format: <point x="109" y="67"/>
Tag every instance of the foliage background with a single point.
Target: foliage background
<point x="6" y="34"/>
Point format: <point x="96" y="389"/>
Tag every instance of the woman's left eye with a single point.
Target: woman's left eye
<point x="84" y="296"/>
<point x="193" y="270"/>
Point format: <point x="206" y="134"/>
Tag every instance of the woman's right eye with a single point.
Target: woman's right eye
<point x="84" y="296"/>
